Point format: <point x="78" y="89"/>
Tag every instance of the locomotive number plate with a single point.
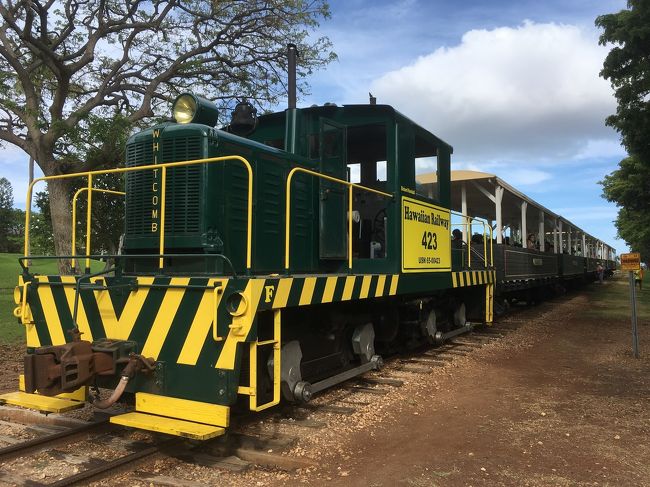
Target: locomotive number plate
<point x="426" y="241"/>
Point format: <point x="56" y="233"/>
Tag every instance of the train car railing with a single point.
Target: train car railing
<point x="349" y="185"/>
<point x="89" y="175"/>
<point x="467" y="223"/>
<point x="88" y="217"/>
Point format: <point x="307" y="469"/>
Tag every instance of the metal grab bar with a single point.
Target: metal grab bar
<point x="27" y="258"/>
<point x="74" y="220"/>
<point x="350" y="186"/>
<point x="468" y="221"/>
<point x="89" y="175"/>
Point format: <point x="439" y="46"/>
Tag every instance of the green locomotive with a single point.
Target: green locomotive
<point x="253" y="268"/>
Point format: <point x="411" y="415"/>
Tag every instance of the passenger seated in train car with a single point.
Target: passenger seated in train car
<point x="547" y="246"/>
<point x="477" y="238"/>
<point x="530" y="243"/>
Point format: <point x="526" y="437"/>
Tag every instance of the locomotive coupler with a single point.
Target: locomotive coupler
<point x="52" y="370"/>
<point x="137" y="363"/>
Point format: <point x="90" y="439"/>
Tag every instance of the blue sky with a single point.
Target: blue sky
<point x="512" y="85"/>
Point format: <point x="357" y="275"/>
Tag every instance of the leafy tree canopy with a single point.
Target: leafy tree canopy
<point x="629" y="188"/>
<point x="627" y="67"/>
<point x="73" y="72"/>
<point x="62" y="62"/>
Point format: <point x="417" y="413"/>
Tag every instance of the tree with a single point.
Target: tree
<point x="16" y="231"/>
<point x="6" y="212"/>
<point x="627" y="67"/>
<point x="65" y="65"/>
<point x="628" y="187"/>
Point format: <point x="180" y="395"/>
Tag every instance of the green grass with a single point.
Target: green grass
<point x="10" y="330"/>
<point x="612" y="300"/>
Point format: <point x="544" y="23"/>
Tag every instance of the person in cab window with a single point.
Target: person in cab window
<point x="457" y="239"/>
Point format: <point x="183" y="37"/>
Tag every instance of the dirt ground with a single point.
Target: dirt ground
<point x="558" y="401"/>
<point x="561" y="401"/>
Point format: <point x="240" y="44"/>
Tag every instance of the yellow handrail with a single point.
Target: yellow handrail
<point x="468" y="221"/>
<point x="164" y="166"/>
<point x="328" y="178"/>
<point x="74" y="218"/>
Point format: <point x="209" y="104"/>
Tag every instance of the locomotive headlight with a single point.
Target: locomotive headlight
<point x="184" y="108"/>
<point x="189" y="108"/>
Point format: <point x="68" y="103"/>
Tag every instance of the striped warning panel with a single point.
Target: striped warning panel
<point x="176" y="315"/>
<point x="472" y="278"/>
<point x="284" y="292"/>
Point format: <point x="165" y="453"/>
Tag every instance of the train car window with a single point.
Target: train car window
<point x="354" y="173"/>
<point x="382" y="171"/>
<point x="368" y="166"/>
<point x="428" y="187"/>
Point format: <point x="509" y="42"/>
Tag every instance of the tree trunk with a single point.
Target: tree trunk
<point x="61" y="210"/>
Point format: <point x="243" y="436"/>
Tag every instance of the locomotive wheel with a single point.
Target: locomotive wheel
<point x="430" y="327"/>
<point x="302" y="392"/>
<point x="460" y="316"/>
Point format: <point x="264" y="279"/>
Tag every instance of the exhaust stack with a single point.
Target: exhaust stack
<point x="292" y="52"/>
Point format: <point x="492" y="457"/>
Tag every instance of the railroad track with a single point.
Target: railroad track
<point x="242" y="448"/>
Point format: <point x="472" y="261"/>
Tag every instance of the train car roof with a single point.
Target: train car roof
<point x="480" y="189"/>
<point x="361" y="110"/>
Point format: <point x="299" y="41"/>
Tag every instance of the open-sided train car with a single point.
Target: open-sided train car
<point x="535" y="249"/>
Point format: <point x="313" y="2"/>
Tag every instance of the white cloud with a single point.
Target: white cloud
<point x="529" y="93"/>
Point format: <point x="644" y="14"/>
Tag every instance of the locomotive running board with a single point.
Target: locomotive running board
<point x="45" y="404"/>
<point x="178" y="417"/>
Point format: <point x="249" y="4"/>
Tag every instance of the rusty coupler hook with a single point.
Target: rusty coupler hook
<point x="75" y="334"/>
<point x="137" y="363"/>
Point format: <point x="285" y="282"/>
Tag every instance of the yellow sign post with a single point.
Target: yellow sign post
<point x="632" y="262"/>
<point x="426" y="241"/>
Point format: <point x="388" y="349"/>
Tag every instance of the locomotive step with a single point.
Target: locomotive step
<point x="40" y="403"/>
<point x="175" y="416"/>
<point x="170" y="426"/>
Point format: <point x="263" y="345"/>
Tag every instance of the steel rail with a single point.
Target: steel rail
<point x="37" y="444"/>
<point x="114" y="466"/>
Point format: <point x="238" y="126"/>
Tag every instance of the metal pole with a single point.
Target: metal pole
<point x="635" y="332"/>
<point x="292" y="54"/>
